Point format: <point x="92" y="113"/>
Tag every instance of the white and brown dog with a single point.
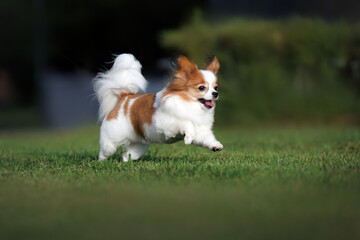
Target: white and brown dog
<point x="184" y="109"/>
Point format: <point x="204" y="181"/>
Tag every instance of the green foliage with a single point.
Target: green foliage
<point x="289" y="183"/>
<point x="280" y="69"/>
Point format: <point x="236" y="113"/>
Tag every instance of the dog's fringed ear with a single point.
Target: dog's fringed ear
<point x="186" y="67"/>
<point x="184" y="70"/>
<point x="174" y="63"/>
<point x="212" y="64"/>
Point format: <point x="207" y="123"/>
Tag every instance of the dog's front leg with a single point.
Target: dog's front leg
<point x="189" y="132"/>
<point x="205" y="137"/>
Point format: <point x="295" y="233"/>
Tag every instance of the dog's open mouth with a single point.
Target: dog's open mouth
<point x="207" y="103"/>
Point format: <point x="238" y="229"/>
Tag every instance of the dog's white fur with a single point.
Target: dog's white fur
<point x="174" y="118"/>
<point x="124" y="76"/>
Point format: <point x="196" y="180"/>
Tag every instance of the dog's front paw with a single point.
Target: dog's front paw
<point x="187" y="140"/>
<point x="217" y="147"/>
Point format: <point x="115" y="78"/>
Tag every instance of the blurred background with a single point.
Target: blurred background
<point x="282" y="62"/>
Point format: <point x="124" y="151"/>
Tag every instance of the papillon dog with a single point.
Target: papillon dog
<point x="184" y="109"/>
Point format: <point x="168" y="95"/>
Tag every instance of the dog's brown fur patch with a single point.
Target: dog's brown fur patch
<point x="115" y="111"/>
<point x="215" y="84"/>
<point x="182" y="95"/>
<point x="126" y="105"/>
<point x="141" y="112"/>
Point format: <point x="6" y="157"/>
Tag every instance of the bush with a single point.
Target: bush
<point x="274" y="70"/>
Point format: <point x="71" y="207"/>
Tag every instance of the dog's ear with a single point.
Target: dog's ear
<point x="184" y="71"/>
<point x="212" y="64"/>
<point x="186" y="67"/>
<point x="174" y="63"/>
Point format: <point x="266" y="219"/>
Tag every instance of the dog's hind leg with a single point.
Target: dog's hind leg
<point x="135" y="150"/>
<point x="106" y="150"/>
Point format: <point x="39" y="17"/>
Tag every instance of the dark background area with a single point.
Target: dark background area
<point x="51" y="44"/>
<point x="70" y="35"/>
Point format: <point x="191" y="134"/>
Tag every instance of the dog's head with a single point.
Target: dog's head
<point x="193" y="84"/>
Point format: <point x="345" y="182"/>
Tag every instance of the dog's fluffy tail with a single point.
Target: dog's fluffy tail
<point x="124" y="76"/>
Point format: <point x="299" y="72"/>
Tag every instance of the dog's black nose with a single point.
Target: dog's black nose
<point x="215" y="94"/>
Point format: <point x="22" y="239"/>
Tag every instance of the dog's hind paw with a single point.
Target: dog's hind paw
<point x="187" y="140"/>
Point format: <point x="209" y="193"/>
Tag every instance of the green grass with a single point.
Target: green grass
<point x="269" y="183"/>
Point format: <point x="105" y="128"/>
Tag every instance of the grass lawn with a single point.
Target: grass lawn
<point x="269" y="183"/>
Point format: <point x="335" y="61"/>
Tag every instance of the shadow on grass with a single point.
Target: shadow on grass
<point x="78" y="158"/>
<point x="36" y="160"/>
<point x="151" y="156"/>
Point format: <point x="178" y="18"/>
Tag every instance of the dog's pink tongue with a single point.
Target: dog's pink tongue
<point x="209" y="103"/>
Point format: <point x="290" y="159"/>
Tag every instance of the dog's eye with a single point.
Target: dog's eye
<point x="216" y="88"/>
<point x="201" y="88"/>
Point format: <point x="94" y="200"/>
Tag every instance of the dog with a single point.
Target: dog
<point x="183" y="110"/>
